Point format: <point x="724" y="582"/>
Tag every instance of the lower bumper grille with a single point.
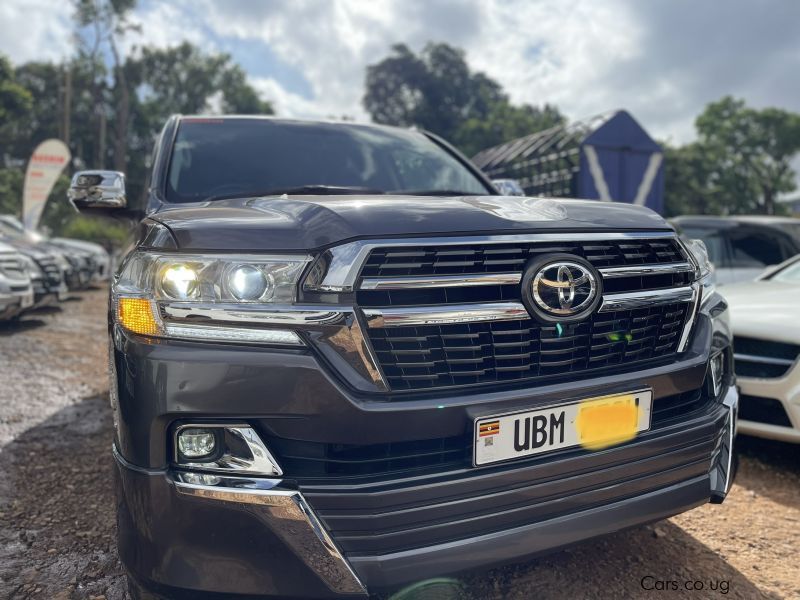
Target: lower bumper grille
<point x="763" y="410"/>
<point x="405" y="513"/>
<point x="434" y="356"/>
<point x="313" y="461"/>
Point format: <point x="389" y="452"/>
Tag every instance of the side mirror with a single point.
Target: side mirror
<point x="508" y="187"/>
<point x="97" y="190"/>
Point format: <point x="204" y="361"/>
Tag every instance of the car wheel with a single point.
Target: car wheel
<point x="137" y="592"/>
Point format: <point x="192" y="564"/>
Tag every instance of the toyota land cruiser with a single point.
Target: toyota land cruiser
<point x="341" y="362"/>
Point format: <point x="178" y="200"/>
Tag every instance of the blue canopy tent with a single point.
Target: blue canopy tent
<point x="608" y="157"/>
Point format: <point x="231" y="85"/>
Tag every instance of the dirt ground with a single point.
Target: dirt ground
<point x="57" y="507"/>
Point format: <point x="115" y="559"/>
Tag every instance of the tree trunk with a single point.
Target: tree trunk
<point x="122" y="113"/>
<point x="769" y="201"/>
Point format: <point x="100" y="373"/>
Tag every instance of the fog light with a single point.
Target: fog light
<point x="196" y="443"/>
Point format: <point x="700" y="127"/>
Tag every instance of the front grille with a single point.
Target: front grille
<point x="12" y="267"/>
<point x="763" y="358"/>
<point x="51" y="270"/>
<point x="311" y="461"/>
<point x="422" y="357"/>
<point x="468" y="351"/>
<point x="505" y="258"/>
<point x="763" y="410"/>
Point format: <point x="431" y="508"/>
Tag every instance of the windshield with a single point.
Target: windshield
<point x="217" y="158"/>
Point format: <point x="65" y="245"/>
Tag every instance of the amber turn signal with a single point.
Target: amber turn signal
<point x="136" y="315"/>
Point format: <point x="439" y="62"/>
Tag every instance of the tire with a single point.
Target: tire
<point x="137" y="592"/>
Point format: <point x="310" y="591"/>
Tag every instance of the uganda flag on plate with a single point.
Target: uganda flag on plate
<point x="490" y="428"/>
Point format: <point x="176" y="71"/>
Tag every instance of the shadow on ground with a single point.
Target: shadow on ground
<point x="57" y="509"/>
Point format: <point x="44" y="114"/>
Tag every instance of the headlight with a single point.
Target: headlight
<point x="705" y="274"/>
<point x="34" y="270"/>
<point x="150" y="283"/>
<point x="62" y="262"/>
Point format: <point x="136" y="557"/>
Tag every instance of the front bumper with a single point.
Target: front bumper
<point x="774" y="405"/>
<point x="342" y="535"/>
<point x="263" y="538"/>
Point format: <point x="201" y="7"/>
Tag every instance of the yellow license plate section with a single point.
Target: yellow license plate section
<point x="608" y="421"/>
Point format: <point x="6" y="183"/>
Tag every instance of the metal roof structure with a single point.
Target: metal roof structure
<point x="607" y="157"/>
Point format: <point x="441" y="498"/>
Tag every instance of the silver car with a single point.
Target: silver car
<point x="16" y="291"/>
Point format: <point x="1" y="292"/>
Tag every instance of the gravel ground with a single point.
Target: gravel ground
<point x="57" y="507"/>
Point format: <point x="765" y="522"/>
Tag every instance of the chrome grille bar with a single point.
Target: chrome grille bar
<point x="434" y="315"/>
<point x="402" y="283"/>
<point x="345" y="261"/>
<point x="508" y="311"/>
<point x="641" y="270"/>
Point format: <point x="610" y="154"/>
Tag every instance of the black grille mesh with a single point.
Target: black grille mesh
<point x="506" y="258"/>
<point x="414" y="358"/>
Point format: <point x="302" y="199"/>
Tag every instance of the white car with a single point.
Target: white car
<point x="765" y="315"/>
<point x="16" y="291"/>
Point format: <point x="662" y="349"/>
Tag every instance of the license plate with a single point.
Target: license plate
<point x="593" y="423"/>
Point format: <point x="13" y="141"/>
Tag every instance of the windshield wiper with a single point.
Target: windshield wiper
<point x="434" y="193"/>
<point x="315" y="189"/>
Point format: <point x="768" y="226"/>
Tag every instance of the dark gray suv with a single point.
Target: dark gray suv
<point x="341" y="362"/>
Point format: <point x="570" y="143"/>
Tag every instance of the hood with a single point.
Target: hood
<point x="312" y="222"/>
<point x="765" y="310"/>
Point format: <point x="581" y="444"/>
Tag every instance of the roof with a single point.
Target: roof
<point x="614" y="129"/>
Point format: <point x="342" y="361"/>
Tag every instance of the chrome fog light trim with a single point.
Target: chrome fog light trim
<point x="239" y="450"/>
<point x="220" y="333"/>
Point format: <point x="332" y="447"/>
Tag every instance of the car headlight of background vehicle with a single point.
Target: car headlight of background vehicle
<point x="34" y="270"/>
<point x="705" y="275"/>
<point x="224" y="284"/>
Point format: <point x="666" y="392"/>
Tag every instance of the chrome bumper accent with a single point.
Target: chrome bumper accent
<point x="766" y="360"/>
<point x="290" y="517"/>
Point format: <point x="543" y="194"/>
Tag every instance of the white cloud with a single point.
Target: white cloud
<point x="35" y="30"/>
<point x="662" y="61"/>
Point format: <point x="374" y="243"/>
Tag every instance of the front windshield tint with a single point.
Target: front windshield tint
<point x="790" y="273"/>
<point x="236" y="157"/>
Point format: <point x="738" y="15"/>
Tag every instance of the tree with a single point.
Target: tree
<point x="436" y="90"/>
<point x="15" y="103"/>
<point x="753" y="149"/>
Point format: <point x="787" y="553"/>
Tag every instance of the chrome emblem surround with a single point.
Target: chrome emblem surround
<point x="561" y="288"/>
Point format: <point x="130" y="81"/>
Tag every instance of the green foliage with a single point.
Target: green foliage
<point x="739" y="164"/>
<point x="107" y="232"/>
<point x="11" y="191"/>
<point x="15" y="102"/>
<point x="436" y="90"/>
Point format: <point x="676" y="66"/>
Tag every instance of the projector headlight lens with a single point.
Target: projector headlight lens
<point x="249" y="283"/>
<point x="179" y="282"/>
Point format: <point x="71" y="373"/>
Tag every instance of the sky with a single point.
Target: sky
<point x="663" y="60"/>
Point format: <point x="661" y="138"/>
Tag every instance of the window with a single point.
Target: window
<point x="714" y="241"/>
<point x="237" y="157"/>
<point x="752" y="249"/>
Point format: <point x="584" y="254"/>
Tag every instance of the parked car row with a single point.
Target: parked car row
<point x="36" y="270"/>
<point x="757" y="263"/>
